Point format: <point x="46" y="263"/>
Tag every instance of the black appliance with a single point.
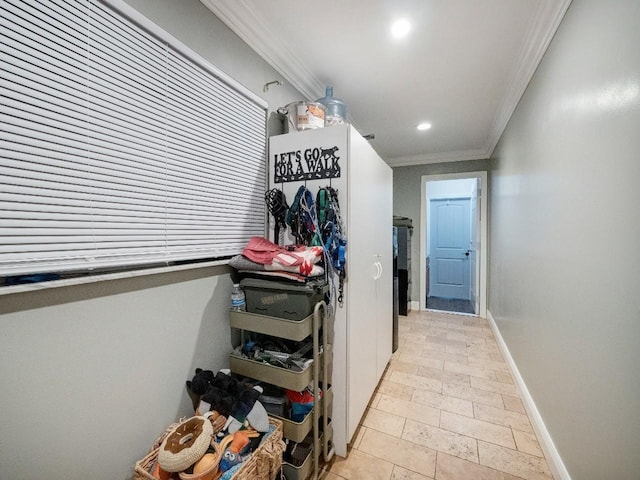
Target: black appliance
<point x="395" y="290"/>
<point x="405" y="229"/>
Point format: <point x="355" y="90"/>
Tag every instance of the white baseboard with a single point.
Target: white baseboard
<point x="414" y="306"/>
<point x="551" y="454"/>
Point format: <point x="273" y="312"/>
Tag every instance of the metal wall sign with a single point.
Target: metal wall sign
<point x="314" y="163"/>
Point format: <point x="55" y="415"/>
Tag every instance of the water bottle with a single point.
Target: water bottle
<point x="238" y="301"/>
<point x="336" y="109"/>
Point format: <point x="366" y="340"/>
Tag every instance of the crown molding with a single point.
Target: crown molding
<point x="444" y="157"/>
<point x="243" y="21"/>
<point x="547" y="18"/>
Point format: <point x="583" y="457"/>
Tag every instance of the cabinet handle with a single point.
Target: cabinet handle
<point x="378" y="270"/>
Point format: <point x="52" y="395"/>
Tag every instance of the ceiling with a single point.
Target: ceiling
<point x="462" y="67"/>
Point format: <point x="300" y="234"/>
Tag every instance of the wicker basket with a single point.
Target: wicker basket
<point x="142" y="469"/>
<point x="263" y="464"/>
<point x="266" y="461"/>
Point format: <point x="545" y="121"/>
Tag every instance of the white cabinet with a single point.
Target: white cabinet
<point x="363" y="323"/>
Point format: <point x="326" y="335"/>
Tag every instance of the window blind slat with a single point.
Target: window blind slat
<point x="104" y="19"/>
<point x="29" y="120"/>
<point x="74" y="98"/>
<point x="56" y="29"/>
<point x="72" y="14"/>
<point x="202" y="99"/>
<point x="119" y="150"/>
<point x="32" y="55"/>
<point x="31" y="136"/>
<point x="69" y="173"/>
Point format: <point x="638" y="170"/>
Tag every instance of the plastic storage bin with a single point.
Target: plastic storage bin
<point x="275" y="401"/>
<point x="292" y="301"/>
<point x="300" y="463"/>
<point x="296" y="330"/>
<point x="281" y="377"/>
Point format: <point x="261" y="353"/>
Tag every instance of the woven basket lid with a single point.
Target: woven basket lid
<point x="185" y="444"/>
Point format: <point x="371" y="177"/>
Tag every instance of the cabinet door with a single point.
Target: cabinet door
<point x="370" y="274"/>
<point x="382" y="198"/>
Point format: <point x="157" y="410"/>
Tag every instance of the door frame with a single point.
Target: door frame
<point x="422" y="238"/>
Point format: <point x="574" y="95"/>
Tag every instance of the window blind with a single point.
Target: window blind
<point x="118" y="149"/>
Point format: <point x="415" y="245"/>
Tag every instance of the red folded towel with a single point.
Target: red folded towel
<point x="276" y="257"/>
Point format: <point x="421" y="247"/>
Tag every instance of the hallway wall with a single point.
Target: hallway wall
<point x="564" y="235"/>
<point x="92" y="374"/>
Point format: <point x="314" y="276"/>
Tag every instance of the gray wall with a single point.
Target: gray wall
<point x="92" y="374"/>
<point x="564" y="236"/>
<point x="407" y="200"/>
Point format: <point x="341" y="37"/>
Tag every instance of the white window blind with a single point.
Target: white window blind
<point x="116" y="148"/>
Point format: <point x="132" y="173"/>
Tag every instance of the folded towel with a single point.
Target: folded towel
<point x="293" y="258"/>
<point x="244" y="265"/>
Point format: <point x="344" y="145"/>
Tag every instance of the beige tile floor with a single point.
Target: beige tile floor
<point x="446" y="408"/>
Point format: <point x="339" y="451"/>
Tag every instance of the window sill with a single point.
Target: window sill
<point x="69" y="282"/>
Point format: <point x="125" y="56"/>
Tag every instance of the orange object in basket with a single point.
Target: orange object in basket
<point x="160" y="474"/>
<point x="206" y="463"/>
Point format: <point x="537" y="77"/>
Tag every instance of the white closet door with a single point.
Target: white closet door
<point x="363" y="272"/>
<point x="382" y="198"/>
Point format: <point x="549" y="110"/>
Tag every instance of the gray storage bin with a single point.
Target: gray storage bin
<point x="274" y="400"/>
<point x="296" y="431"/>
<point x="296" y="330"/>
<point x="301" y="467"/>
<point x="293" y="301"/>
<point x="281" y="377"/>
<point x="298" y="473"/>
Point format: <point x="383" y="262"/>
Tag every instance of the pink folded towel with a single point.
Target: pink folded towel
<point x="275" y="257"/>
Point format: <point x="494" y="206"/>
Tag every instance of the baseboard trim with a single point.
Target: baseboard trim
<point x="554" y="460"/>
<point x="414" y="306"/>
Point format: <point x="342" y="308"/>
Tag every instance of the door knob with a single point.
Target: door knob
<point x="467" y="253"/>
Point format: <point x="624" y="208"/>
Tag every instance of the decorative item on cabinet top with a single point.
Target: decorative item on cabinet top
<point x="299" y="116"/>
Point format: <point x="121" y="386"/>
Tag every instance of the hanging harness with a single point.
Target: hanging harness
<point x="277" y="205"/>
<point x="302" y="219"/>
<point x="317" y="224"/>
<point x="334" y="240"/>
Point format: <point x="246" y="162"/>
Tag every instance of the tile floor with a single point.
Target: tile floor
<point x="446" y="409"/>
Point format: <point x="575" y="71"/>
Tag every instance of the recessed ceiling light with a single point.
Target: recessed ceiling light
<point x="400" y="28"/>
<point x="424" y="126"/>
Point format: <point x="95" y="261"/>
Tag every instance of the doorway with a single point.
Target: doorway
<point x="452" y="240"/>
<point x="448" y="251"/>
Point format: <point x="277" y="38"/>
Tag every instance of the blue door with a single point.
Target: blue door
<point x="450" y="227"/>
